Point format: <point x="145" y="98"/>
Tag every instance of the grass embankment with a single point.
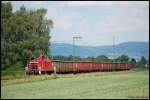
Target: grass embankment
<point x="124" y="84"/>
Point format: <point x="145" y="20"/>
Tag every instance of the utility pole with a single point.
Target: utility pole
<point x="74" y="39"/>
<point x="114" y="47"/>
<point x="113" y="40"/>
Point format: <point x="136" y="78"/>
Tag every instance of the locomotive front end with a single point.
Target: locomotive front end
<point x="33" y="67"/>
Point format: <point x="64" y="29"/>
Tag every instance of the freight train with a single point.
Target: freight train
<point x="44" y="64"/>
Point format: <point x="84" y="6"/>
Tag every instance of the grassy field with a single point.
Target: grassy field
<point x="124" y="84"/>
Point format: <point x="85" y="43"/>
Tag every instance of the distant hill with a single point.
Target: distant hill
<point x="132" y="49"/>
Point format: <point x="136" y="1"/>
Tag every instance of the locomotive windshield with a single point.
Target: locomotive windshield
<point x="34" y="66"/>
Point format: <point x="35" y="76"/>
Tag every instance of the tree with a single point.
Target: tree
<point x="6" y="13"/>
<point x="133" y="62"/>
<point x="148" y="62"/>
<point x="77" y="58"/>
<point x="23" y="34"/>
<point x="143" y="61"/>
<point x="102" y="58"/>
<point x="122" y="58"/>
<point x="70" y="57"/>
<point x="90" y="58"/>
<point x="6" y="9"/>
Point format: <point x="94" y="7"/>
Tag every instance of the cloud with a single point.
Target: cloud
<point x="64" y="18"/>
<point x="98" y="21"/>
<point x="63" y="23"/>
<point x="90" y="3"/>
<point x="128" y="20"/>
<point x="109" y="3"/>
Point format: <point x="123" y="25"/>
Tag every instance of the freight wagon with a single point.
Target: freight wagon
<point x="88" y="66"/>
<point x="41" y="64"/>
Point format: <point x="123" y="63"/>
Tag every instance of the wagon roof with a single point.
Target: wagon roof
<point x="85" y="61"/>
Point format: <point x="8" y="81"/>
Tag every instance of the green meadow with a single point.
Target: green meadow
<point x="122" y="84"/>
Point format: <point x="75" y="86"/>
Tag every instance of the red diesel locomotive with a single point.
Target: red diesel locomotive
<point x="41" y="64"/>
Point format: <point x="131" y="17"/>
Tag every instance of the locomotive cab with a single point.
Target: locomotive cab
<point x="39" y="65"/>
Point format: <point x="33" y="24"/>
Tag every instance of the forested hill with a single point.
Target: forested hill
<point x="132" y="49"/>
<point x="23" y="34"/>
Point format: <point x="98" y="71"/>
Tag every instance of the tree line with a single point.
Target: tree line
<point x="23" y="33"/>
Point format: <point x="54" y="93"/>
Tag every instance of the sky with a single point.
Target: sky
<point x="97" y="22"/>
